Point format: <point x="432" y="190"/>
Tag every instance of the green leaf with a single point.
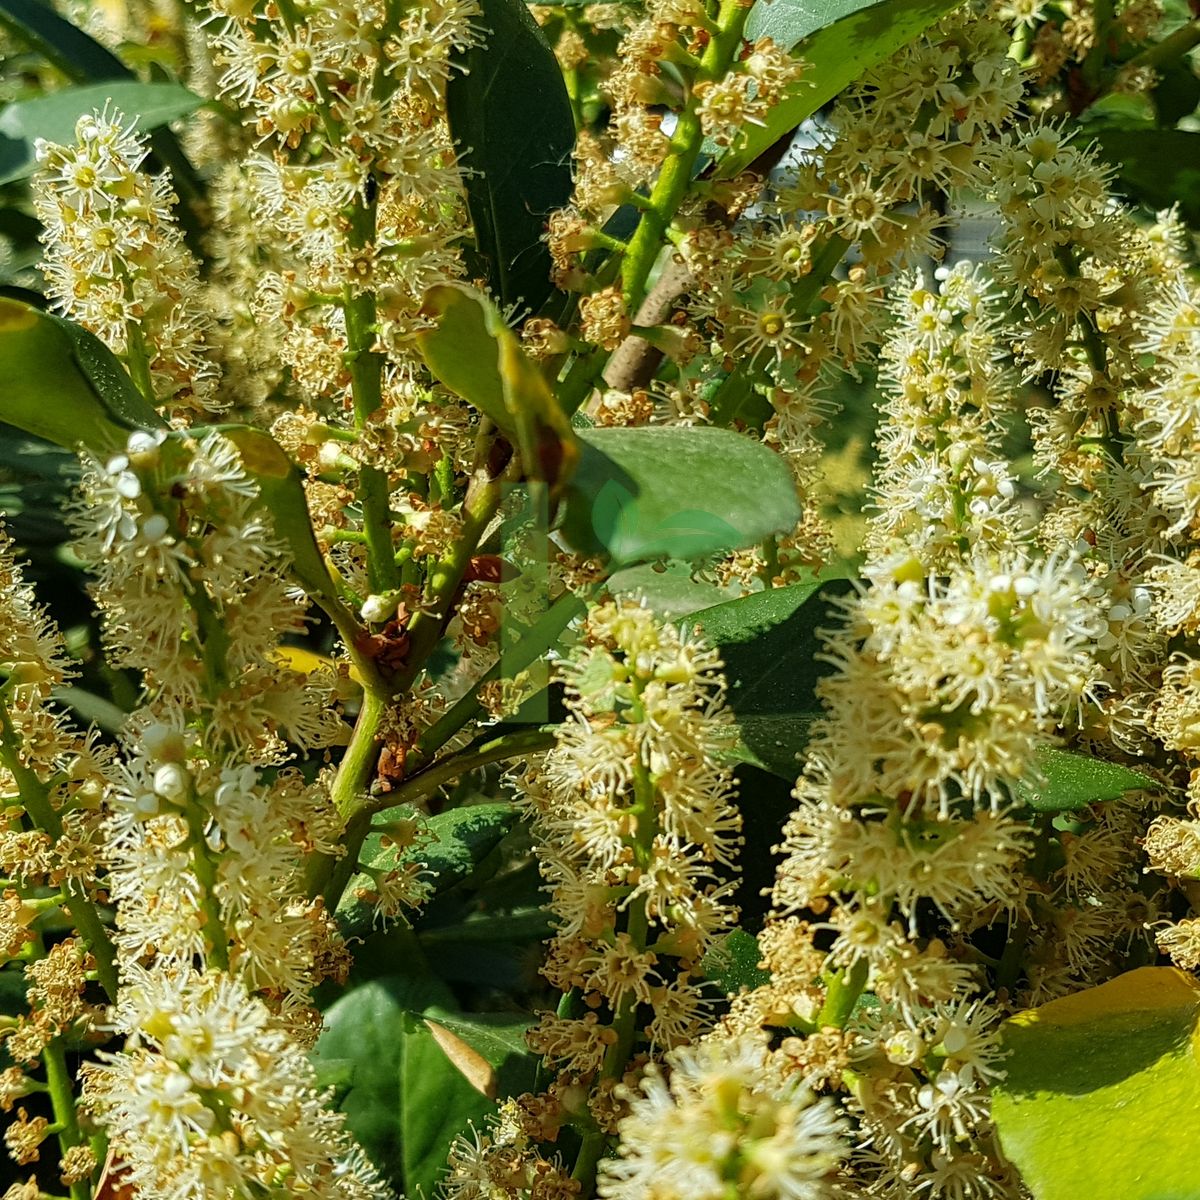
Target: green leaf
<point x="438" y="1102"/>
<point x="1177" y="92"/>
<point x="368" y="1028"/>
<point x="461" y="839"/>
<point x="59" y="382"/>
<point x="1073" y="781"/>
<point x="844" y="40"/>
<point x="499" y="1039"/>
<point x="53" y="117"/>
<point x="489" y="951"/>
<point x="672" y="492"/>
<point x="769" y="644"/>
<point x="509" y="112"/>
<point x="461" y="348"/>
<point x="473" y="352"/>
<point x="1102" y="1090"/>
<point x="732" y="964"/>
<point x="415" y="1071"/>
<point x="1156" y="167"/>
<point x="668" y="588"/>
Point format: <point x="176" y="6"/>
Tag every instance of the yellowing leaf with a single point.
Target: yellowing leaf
<point x="473" y="1067"/>
<point x="305" y="662"/>
<point x="1102" y="1094"/>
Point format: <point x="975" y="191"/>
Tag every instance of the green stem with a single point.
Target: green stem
<point x="358" y="763"/>
<point x="571" y="80"/>
<point x="35" y="799"/>
<point x="137" y="361"/>
<point x="677" y="170"/>
<point x="1103" y="19"/>
<point x="62" y="1100"/>
<point x="824" y="262"/>
<point x="1008" y="971"/>
<point x="577" y="385"/>
<point x="366" y="383"/>
<point x="842" y="992"/>
<point x="423" y="784"/>
<point x="1174" y="46"/>
<point x="544" y="635"/>
<point x="206" y="873"/>
<point x="351" y="787"/>
<point x="616" y="1059"/>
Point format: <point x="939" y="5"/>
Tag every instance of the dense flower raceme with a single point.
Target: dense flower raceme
<point x="210" y="1097"/>
<point x="116" y="261"/>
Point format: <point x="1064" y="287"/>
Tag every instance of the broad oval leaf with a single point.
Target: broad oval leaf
<point x="459" y="840"/>
<point x="60" y="382"/>
<point x="769" y="644"/>
<point x="53" y="117"/>
<point x="461" y="347"/>
<point x="1102" y="1090"/>
<point x="673" y="492"/>
<point x="1072" y="781"/>
<point x="843" y="40"/>
<point x="488" y="1048"/>
<point x="734" y="963"/>
<point x="364" y="1031"/>
<point x="511" y="118"/>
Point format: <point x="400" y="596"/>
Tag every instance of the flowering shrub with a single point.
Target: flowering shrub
<point x="599" y="600"/>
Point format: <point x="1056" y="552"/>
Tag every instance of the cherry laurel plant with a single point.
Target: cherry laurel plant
<point x="595" y="584"/>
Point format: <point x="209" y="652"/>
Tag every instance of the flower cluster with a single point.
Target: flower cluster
<point x="116" y="261"/>
<point x="636" y="834"/>
<point x="730" y="1119"/>
<point x="175" y="889"/>
<point x="211" y="1097"/>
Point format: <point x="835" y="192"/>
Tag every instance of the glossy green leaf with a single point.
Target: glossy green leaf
<point x="510" y="115"/>
<point x="672" y="492"/>
<point x="461" y="347"/>
<point x="438" y="1102"/>
<point x="493" y="950"/>
<point x="59" y="382"/>
<point x="733" y="963"/>
<point x="365" y="1032"/>
<point x="53" y="117"/>
<point x="769" y="645"/>
<point x="1102" y="1090"/>
<point x="841" y="41"/>
<point x="499" y="1039"/>
<point x="668" y="588"/>
<point x="1177" y="92"/>
<point x="1071" y="781"/>
<point x="458" y="841"/>
<point x="471" y="350"/>
<point x="1156" y="167"/>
